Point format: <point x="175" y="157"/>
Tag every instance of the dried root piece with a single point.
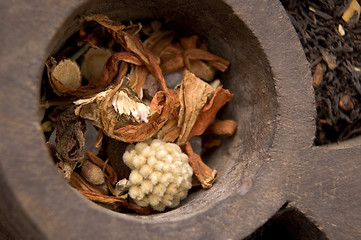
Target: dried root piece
<point x="205" y="175"/>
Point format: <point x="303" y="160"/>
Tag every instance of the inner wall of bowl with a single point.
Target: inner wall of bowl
<point x="249" y="77"/>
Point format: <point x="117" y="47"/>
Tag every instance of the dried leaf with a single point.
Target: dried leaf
<point x="200" y="54"/>
<point x="204" y="174"/>
<point x="220" y="127"/>
<point x="171" y="59"/>
<point x="208" y="113"/>
<point x="69" y="141"/>
<point x="189" y="42"/>
<point x="108" y="170"/>
<point x="112" y="66"/>
<point x="193" y="96"/>
<point x="158" y="41"/>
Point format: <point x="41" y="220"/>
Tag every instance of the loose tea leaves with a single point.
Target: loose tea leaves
<point x="120" y="88"/>
<point x="330" y="34"/>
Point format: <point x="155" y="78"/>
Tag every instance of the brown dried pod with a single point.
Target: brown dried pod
<point x="92" y="173"/>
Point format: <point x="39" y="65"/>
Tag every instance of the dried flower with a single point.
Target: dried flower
<point x="161" y="175"/>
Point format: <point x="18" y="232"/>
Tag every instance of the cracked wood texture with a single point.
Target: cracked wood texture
<point x="270" y="160"/>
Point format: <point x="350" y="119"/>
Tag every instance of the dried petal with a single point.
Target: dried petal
<point x="204" y="174"/>
<point x="193" y="96"/>
<point x="208" y="113"/>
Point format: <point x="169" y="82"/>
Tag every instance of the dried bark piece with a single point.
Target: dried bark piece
<point x="204" y="174"/>
<point x="220" y="127"/>
<point x="118" y="201"/>
<point x="69" y="141"/>
<point x="208" y="113"/>
<point x="193" y="96"/>
<point x="108" y="170"/>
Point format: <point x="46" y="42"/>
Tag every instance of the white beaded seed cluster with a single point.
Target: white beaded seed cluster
<point x="161" y="175"/>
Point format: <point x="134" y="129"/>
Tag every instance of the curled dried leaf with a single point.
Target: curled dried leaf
<point x="132" y="44"/>
<point x="205" y="175"/>
<point x="209" y="112"/>
<point x="193" y="96"/>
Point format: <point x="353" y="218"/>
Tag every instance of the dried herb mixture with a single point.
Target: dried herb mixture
<point x="111" y="78"/>
<point x="330" y="32"/>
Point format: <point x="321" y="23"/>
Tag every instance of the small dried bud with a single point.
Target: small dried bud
<point x="65" y="74"/>
<point x="92" y="173"/>
<point x="346" y="103"/>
